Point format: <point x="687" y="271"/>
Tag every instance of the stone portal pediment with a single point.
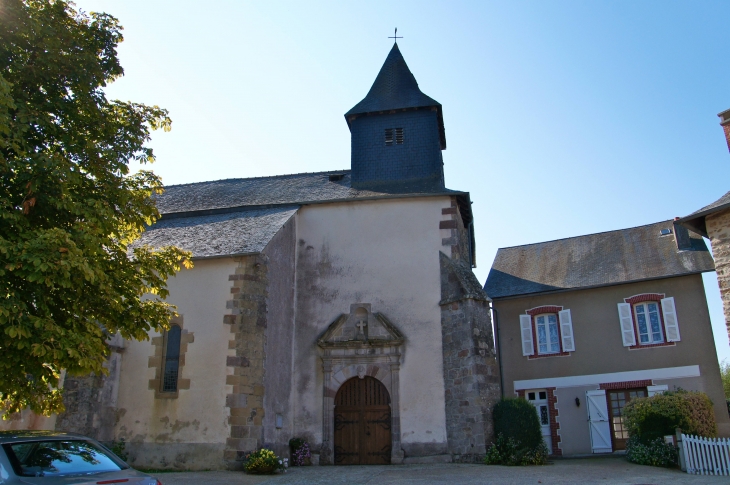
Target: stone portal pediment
<point x="361" y="327"/>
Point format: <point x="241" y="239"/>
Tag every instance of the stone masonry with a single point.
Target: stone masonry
<point x="471" y="373"/>
<point x="91" y="400"/>
<point x="718" y="228"/>
<point x="245" y="360"/>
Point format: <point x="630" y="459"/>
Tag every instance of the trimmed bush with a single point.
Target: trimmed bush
<point x="519" y="440"/>
<point x="651" y="418"/>
<point x="655" y="453"/>
<point x="507" y="451"/>
<point x="516" y="418"/>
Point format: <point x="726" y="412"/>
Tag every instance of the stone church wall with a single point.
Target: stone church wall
<point x="187" y="429"/>
<point x="245" y="361"/>
<point x="384" y="253"/>
<point x="281" y="255"/>
<point x="471" y="373"/>
<point x="718" y="228"/>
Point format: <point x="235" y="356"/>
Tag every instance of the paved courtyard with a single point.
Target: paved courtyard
<point x="583" y="471"/>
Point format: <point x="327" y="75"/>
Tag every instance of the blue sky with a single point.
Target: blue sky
<point x="562" y="118"/>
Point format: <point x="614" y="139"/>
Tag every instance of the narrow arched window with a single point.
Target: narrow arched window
<point x="172" y="359"/>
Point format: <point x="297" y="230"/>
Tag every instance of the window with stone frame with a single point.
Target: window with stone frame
<point x="169" y="360"/>
<point x="546" y="331"/>
<point x="648" y="320"/>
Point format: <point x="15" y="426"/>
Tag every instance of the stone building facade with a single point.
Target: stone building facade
<point x="304" y="287"/>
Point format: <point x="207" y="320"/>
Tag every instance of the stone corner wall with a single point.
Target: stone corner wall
<point x="91" y="401"/>
<point x="245" y="359"/>
<point x="718" y="228"/>
<point x="471" y="372"/>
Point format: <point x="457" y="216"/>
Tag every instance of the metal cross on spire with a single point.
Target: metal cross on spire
<point x="395" y="36"/>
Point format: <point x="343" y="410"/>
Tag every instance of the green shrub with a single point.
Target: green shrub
<point x="654" y="453"/>
<point x="516" y="418"/>
<point x="508" y="451"/>
<point x="263" y="461"/>
<point x="654" y="417"/>
<point x="519" y="439"/>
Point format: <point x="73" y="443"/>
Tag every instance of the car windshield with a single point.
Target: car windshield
<point x="56" y="457"/>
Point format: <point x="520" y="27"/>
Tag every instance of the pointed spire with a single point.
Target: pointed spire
<point x="396" y="88"/>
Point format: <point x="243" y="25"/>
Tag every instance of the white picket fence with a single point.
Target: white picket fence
<point x="705" y="456"/>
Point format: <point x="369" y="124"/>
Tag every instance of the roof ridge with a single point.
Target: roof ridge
<point x="585" y="235"/>
<point x="346" y="171"/>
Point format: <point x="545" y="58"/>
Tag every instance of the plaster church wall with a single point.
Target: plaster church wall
<point x="187" y="431"/>
<point x="385" y="253"/>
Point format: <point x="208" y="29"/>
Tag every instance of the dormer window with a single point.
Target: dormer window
<point x="389" y="136"/>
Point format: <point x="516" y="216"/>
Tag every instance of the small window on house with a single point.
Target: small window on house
<point x="546" y="328"/>
<point x="388" y="136"/>
<point x="399" y="136"/>
<point x="171" y="362"/>
<point x="547" y="333"/>
<point x="648" y="322"/>
<point x="648" y="319"/>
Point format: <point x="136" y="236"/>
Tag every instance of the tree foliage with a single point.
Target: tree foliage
<point x="725" y="374"/>
<point x="69" y="208"/>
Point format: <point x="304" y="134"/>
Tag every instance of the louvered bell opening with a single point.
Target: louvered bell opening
<point x="172" y="360"/>
<point x="388" y="136"/>
<point x="399" y="136"/>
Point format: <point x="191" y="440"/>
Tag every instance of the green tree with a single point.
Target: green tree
<point x="69" y="208"/>
<point x="725" y="374"/>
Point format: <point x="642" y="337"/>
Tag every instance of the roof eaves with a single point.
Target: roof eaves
<point x="603" y="285"/>
<point x="224" y="210"/>
<point x="696" y="220"/>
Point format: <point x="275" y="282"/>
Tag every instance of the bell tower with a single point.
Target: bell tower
<point x="397" y="133"/>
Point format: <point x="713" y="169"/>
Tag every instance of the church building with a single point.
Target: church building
<point x="338" y="307"/>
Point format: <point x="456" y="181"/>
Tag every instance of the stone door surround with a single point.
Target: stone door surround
<point x="360" y="344"/>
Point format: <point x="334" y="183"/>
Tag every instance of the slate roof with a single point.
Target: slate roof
<point x="395" y="87"/>
<point x="223" y="234"/>
<point x="240" y="216"/>
<point x="696" y="220"/>
<point x="295" y="189"/>
<point x="603" y="259"/>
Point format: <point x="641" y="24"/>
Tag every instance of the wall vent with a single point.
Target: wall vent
<point x="388" y="136"/>
<point x="399" y="136"/>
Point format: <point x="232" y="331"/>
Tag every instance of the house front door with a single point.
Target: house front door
<point x="538" y="398"/>
<point x="362" y="423"/>
<point x="617" y="399"/>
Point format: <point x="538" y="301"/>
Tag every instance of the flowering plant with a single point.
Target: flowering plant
<point x="263" y="461"/>
<point x="301" y="455"/>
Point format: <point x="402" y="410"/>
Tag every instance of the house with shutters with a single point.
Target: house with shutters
<point x="339" y="307"/>
<point x="585" y="324"/>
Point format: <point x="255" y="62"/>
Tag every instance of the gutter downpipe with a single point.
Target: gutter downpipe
<point x="495" y="314"/>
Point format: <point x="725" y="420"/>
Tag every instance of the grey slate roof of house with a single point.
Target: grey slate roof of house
<point x="603" y="259"/>
<point x="395" y="88"/>
<point x="696" y="220"/>
<point x="240" y="216"/>
<point x="214" y="235"/>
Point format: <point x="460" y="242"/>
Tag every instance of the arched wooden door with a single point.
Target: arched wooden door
<point x="362" y="423"/>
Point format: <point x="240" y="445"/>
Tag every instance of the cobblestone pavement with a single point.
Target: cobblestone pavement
<point x="582" y="471"/>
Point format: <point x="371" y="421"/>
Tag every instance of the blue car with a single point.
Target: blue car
<point x="51" y="458"/>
